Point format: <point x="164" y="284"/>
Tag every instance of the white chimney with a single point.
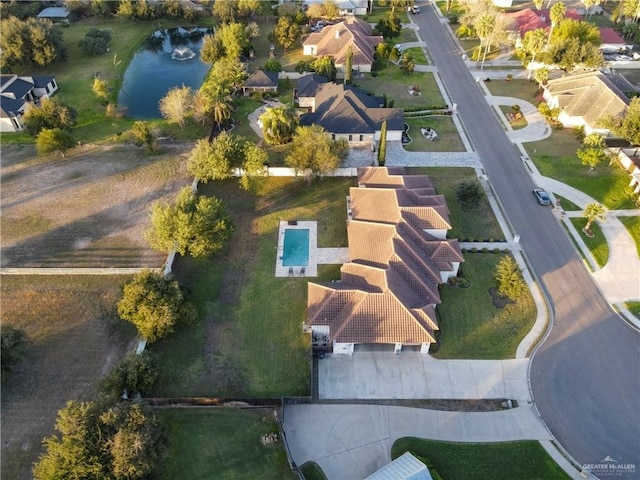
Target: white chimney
<point x="337" y="33"/>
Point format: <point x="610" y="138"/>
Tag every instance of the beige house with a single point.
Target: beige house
<point x="398" y="257"/>
<point x="585" y="99"/>
<point x="335" y="40"/>
<point x="629" y="160"/>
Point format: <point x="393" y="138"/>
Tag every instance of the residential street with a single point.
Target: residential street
<point x="585" y="377"/>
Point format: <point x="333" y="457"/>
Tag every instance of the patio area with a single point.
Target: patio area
<point x="298" y="252"/>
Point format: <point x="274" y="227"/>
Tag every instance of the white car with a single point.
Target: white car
<point x="399" y="47"/>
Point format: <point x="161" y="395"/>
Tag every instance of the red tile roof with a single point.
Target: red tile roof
<point x="389" y="288"/>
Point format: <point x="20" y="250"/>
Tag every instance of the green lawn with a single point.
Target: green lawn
<point x="633" y="225"/>
<point x="469" y="44"/>
<point x="515" y="124"/>
<point x="523" y="89"/>
<point x="555" y="157"/>
<point x="634" y="308"/>
<point x="222" y="443"/>
<point x="382" y="12"/>
<point x="391" y="82"/>
<point x="597" y="245"/>
<point x="479" y="224"/>
<point x="448" y="137"/>
<point x="417" y="53"/>
<point x="567" y="205"/>
<point x="312" y="471"/>
<point x="522" y="460"/>
<point x="471" y="326"/>
<point x="249" y="339"/>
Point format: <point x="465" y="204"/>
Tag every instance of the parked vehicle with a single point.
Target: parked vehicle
<point x="414" y="9"/>
<point x="541" y="196"/>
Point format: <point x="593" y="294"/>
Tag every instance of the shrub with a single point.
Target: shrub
<point x="469" y="195"/>
<point x="273" y="65"/>
<point x="301" y="66"/>
<point x="510" y="282"/>
<point x="136" y="373"/>
<point x="11" y="342"/>
<point x="52" y="140"/>
<point x="50" y="114"/>
<point x="96" y="42"/>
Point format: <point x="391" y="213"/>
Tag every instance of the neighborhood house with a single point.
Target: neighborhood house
<point x="16" y="93"/>
<point x="398" y="257"/>
<point x="335" y="40"/>
<point x="585" y="99"/>
<point x="346" y="112"/>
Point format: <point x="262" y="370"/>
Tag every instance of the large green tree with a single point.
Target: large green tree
<point x="49" y="114"/>
<point x="175" y="105"/>
<point x="626" y="126"/>
<point x="226" y="10"/>
<point x="382" y="148"/>
<point x="32" y="42"/>
<point x="154" y="304"/>
<point x="593" y="151"/>
<point x="112" y="442"/>
<point x="533" y="43"/>
<point x="325" y="66"/>
<point x="278" y="124"/>
<point x="53" y="140"/>
<point x="195" y="225"/>
<point x="218" y="159"/>
<point x="313" y="150"/>
<point x="287" y="32"/>
<point x="96" y="42"/>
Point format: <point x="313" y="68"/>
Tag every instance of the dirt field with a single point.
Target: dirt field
<point x="87" y="210"/>
<point x="73" y="338"/>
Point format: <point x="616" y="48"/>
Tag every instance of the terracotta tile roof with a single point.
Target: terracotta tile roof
<point x="610" y="36"/>
<point x="529" y="19"/>
<point x="389" y="288"/>
<point x="591" y="96"/>
<point x="334" y="40"/>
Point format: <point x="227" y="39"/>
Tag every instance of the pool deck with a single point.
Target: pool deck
<point x="317" y="256"/>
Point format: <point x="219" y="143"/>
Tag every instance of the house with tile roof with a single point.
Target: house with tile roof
<point x="585" y="99"/>
<point x="346" y="111"/>
<point x="612" y="42"/>
<point x="16" y="93"/>
<point x="527" y="19"/>
<point x="398" y="257"/>
<point x="348" y="7"/>
<point x="335" y="40"/>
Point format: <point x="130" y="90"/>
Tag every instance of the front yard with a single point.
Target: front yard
<point x="448" y="137"/>
<point x="472" y="327"/>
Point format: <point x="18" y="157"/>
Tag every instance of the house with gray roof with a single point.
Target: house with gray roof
<point x="16" y="93"/>
<point x="346" y="111"/>
<point x="57" y="15"/>
<point x="261" y="81"/>
<point x="398" y="257"/>
<point x="587" y="98"/>
<point x="334" y="41"/>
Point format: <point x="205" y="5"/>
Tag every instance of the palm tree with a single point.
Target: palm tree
<point x="279" y="124"/>
<point x="556" y="15"/>
<point x="542" y="76"/>
<point x="221" y="108"/>
<point x="533" y="43"/>
<point x="484" y="28"/>
<point x="593" y="212"/>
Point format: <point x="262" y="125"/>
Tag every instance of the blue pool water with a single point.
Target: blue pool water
<point x="296" y="248"/>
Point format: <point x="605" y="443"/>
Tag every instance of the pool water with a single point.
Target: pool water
<point x="296" y="248"/>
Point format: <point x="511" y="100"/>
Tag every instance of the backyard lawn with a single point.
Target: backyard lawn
<point x="249" y="341"/>
<point x="555" y="157"/>
<point x="73" y="338"/>
<point x="222" y="443"/>
<point x="522" y="460"/>
<point x="448" y="137"/>
<point x="472" y="327"/>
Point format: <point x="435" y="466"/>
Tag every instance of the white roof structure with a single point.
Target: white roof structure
<point x="405" y="467"/>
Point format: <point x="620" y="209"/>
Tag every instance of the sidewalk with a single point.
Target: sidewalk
<point x="353" y="441"/>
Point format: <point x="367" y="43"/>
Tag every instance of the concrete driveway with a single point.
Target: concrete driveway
<point x="385" y="375"/>
<point x="353" y="441"/>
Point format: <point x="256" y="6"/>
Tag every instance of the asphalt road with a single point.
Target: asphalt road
<point x="585" y="377"/>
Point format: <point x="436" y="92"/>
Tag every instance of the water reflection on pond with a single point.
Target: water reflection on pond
<point x="168" y="58"/>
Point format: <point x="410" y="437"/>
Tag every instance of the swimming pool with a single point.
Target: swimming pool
<point x="296" y="247"/>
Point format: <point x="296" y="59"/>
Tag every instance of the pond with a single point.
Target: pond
<point x="168" y="58"/>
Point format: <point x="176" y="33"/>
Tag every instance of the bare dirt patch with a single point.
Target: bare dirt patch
<point x="73" y="338"/>
<point x="87" y="210"/>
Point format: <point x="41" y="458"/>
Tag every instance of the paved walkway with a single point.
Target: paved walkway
<point x="353" y="441"/>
